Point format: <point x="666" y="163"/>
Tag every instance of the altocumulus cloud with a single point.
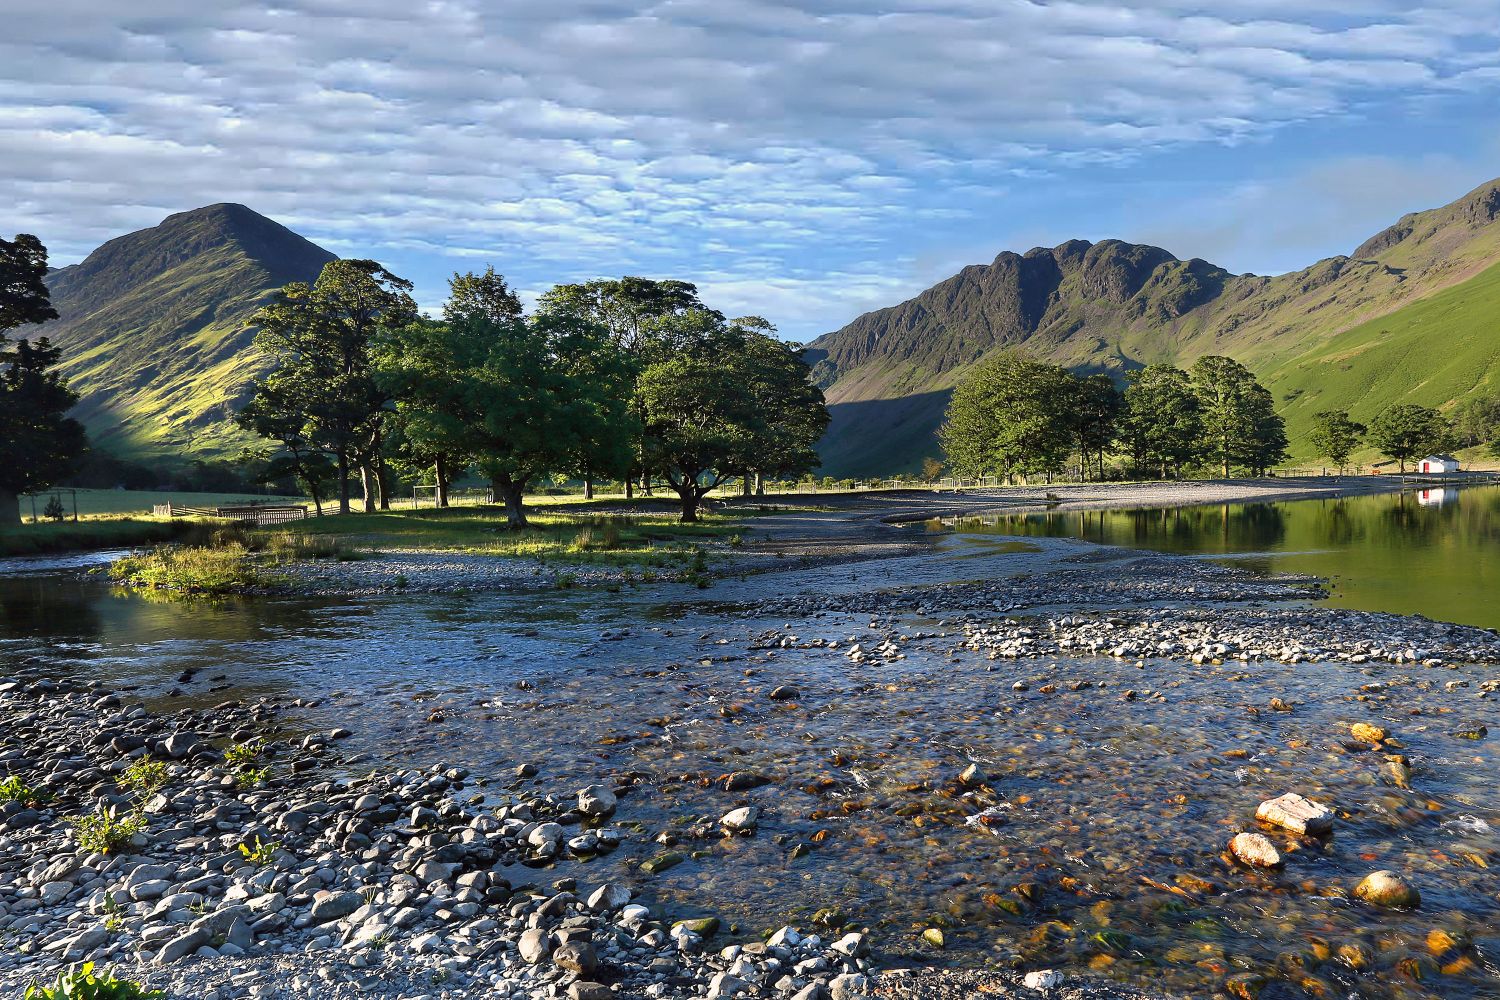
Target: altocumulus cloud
<point x="772" y="151"/>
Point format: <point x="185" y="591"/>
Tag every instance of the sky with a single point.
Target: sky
<point x="803" y="161"/>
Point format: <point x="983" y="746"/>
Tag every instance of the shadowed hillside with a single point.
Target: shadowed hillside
<point x="152" y="327"/>
<point x="1113" y="306"/>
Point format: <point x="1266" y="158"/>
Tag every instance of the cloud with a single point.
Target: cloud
<point x="677" y="137"/>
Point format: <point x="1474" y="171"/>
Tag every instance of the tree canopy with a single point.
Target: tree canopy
<point x="39" y="442"/>
<point x="1409" y="431"/>
<point x="1011" y="415"/>
<point x="320" y="338"/>
<point x="1335" y="436"/>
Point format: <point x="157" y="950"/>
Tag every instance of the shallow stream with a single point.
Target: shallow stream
<point x="1095" y="841"/>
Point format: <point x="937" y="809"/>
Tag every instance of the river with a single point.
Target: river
<point x="1099" y="844"/>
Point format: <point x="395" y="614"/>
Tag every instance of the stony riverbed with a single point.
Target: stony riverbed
<point x="1009" y="773"/>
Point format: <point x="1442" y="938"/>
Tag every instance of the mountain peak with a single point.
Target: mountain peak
<point x="153" y="325"/>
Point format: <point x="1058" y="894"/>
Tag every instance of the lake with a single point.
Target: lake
<point x="1434" y="553"/>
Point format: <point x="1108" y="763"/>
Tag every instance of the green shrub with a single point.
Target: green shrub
<point x="83" y="983"/>
<point x="189" y="569"/>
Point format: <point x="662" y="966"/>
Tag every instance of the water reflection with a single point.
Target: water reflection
<point x="1437" y="555"/>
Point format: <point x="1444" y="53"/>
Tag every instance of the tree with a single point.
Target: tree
<point x="485" y="295"/>
<point x="1265" y="445"/>
<point x="932" y="469"/>
<point x="1011" y="414"/>
<point x="648" y="319"/>
<point x="546" y="395"/>
<point x="734" y="400"/>
<point x="1162" y="424"/>
<point x="1335" y="436"/>
<point x="790" y="412"/>
<point x="1094" y="414"/>
<point x="39" y="442"/>
<point x="24" y="298"/>
<point x="1407" y="431"/>
<point x="1477" y="421"/>
<point x="276" y="412"/>
<point x="1239" y="421"/>
<point x="320" y="339"/>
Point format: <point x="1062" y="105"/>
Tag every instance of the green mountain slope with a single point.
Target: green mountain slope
<point x="1114" y="306"/>
<point x="152" y="328"/>
<point x="1434" y="351"/>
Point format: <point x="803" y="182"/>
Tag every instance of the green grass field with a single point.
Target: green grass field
<point x="96" y="502"/>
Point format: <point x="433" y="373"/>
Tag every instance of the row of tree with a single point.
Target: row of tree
<point x="1015" y="415"/>
<point x="1408" y="431"/>
<point x="626" y="379"/>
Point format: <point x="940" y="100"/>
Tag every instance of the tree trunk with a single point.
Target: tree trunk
<point x="343" y="483"/>
<point x="588" y="486"/>
<point x="440" y="477"/>
<point x="760" y="485"/>
<point x="629" y="487"/>
<point x="745" y="485"/>
<point x="367" y="486"/>
<point x="689" y="495"/>
<point x="383" y="482"/>
<point x="10" y="508"/>
<point x="512" y="493"/>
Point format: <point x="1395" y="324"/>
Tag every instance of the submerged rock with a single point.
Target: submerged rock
<point x="1385" y="888"/>
<point x="1256" y="850"/>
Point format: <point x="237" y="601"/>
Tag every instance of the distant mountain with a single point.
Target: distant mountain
<point x="1413" y="315"/>
<point x="152" y="328"/>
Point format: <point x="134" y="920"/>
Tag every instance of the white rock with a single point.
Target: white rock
<point x="1044" y="979"/>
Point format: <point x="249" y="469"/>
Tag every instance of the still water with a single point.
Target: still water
<point x="1096" y="845"/>
<point x="1434" y="553"/>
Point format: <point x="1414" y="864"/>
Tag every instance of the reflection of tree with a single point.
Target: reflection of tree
<point x="38" y="605"/>
<point x="1337" y="525"/>
<point x="1406" y="522"/>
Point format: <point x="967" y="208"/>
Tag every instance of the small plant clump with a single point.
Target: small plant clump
<point x="145" y="777"/>
<point x="14" y="789"/>
<point x="105" y="831"/>
<point x="83" y="982"/>
<point x="259" y="852"/>
<point x="204" y="570"/>
<point x="241" y="759"/>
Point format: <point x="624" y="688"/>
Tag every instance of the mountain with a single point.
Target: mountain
<point x="1412" y="315"/>
<point x="152" y="328"/>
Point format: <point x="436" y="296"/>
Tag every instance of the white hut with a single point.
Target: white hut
<point x="1437" y="464"/>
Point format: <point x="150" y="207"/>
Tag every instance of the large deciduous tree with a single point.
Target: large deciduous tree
<point x="1011" y="414"/>
<point x="791" y="414"/>
<point x="551" y="395"/>
<point x="1239" y="420"/>
<point x="648" y="319"/>
<point x="1162" y="423"/>
<point x="39" y="442"/>
<point x="1335" y="436"/>
<point x="729" y="399"/>
<point x="1094" y="414"/>
<point x="320" y="339"/>
<point x="1407" y="431"/>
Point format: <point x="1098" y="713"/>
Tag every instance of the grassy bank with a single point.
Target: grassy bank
<point x="90" y="533"/>
<point x="223" y="559"/>
<point x="645" y="539"/>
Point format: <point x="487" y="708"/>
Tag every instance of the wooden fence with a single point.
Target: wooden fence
<point x="253" y="513"/>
